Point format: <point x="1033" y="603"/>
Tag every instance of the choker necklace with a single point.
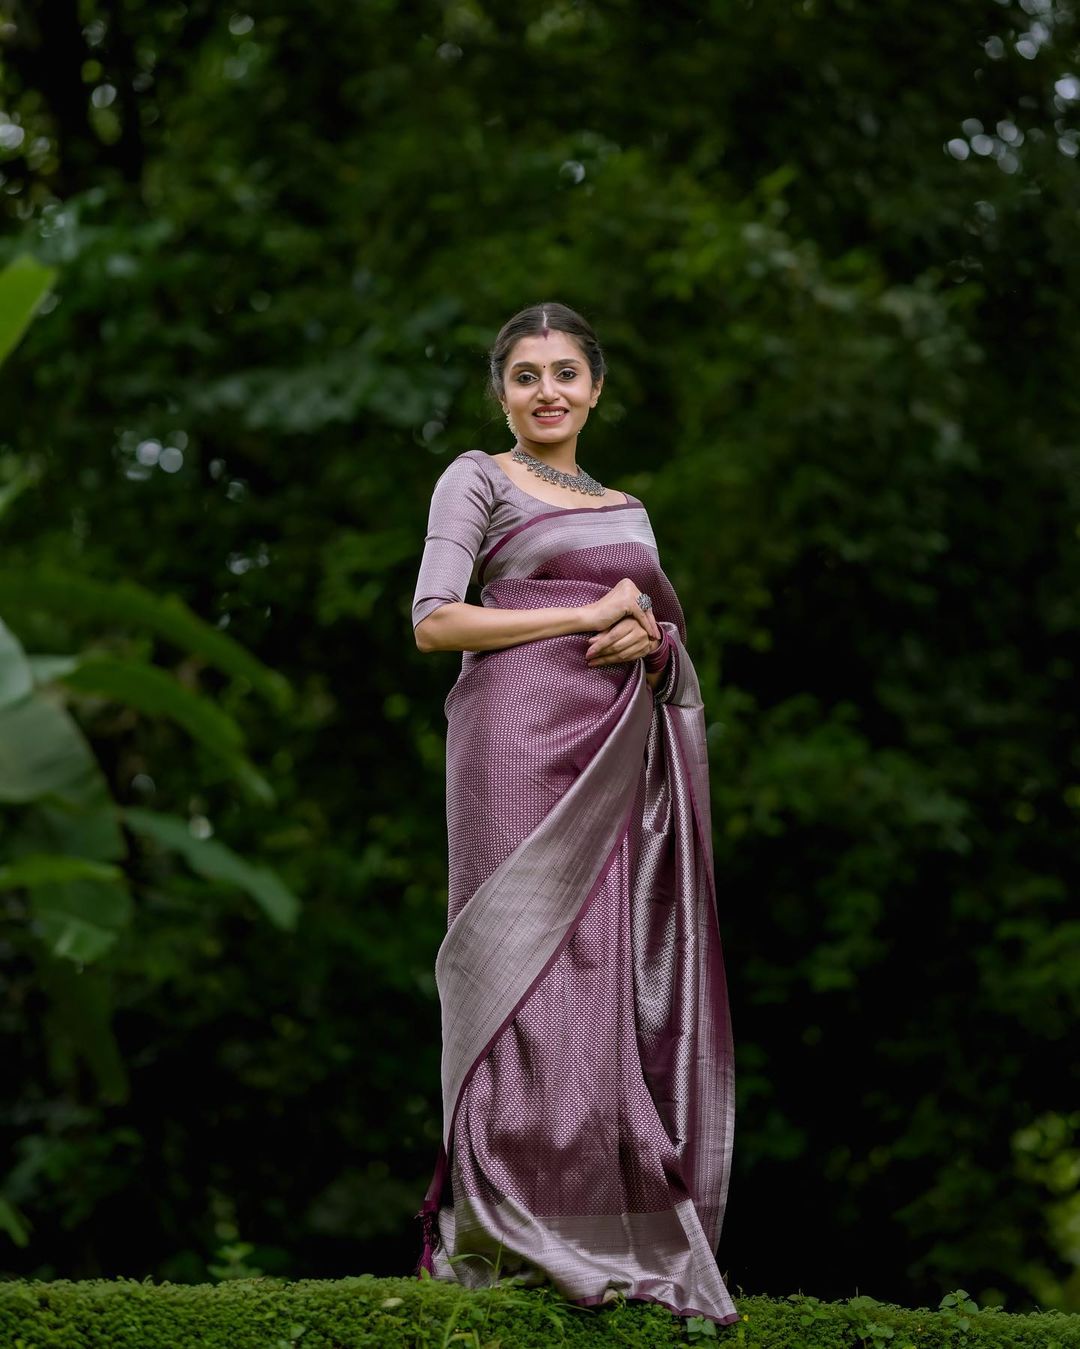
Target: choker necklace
<point x="577" y="482"/>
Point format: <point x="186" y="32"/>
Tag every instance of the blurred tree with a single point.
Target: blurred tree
<point x="63" y="840"/>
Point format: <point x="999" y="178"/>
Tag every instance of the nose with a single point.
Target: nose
<point x="549" y="389"/>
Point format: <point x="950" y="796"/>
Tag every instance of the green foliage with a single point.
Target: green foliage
<point x="125" y="603"/>
<point x="217" y="863"/>
<point x="368" y="1313"/>
<point x="24" y="283"/>
<point x="79" y="902"/>
<point x="830" y="252"/>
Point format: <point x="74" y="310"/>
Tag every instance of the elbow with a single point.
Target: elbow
<point x="431" y="633"/>
<point x="424" y="633"/>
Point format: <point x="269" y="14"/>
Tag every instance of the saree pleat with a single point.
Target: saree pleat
<point x="587" y="1066"/>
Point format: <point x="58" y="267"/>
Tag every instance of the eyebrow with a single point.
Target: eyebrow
<point x="569" y="360"/>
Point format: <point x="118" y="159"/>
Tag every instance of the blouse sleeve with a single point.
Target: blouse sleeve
<point x="458" y="521"/>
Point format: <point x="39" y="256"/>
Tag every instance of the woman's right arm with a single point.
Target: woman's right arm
<point x="457" y="626"/>
<point x="470" y="627"/>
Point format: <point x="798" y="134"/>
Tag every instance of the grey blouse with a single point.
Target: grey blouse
<point x="473" y="504"/>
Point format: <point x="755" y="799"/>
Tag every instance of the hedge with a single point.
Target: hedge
<point x="364" y="1312"/>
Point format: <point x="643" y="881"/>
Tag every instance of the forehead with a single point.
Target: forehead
<point x="541" y="351"/>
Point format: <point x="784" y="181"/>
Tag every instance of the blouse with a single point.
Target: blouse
<point x="473" y="504"/>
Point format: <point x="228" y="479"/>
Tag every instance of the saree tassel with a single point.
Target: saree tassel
<point x="429" y="1216"/>
<point x="429" y="1219"/>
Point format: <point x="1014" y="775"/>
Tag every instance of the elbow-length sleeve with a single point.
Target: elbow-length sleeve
<point x="458" y="520"/>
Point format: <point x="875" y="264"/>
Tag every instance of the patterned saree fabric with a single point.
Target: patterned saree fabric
<point x="587" y="1059"/>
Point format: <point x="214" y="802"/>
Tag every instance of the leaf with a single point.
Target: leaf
<point x="216" y="862"/>
<point x="118" y="602"/>
<point x="45" y="758"/>
<point x="77" y="830"/>
<point x="24" y="283"/>
<point x="46" y="668"/>
<point x="35" y="869"/>
<point x="81" y="1010"/>
<point x="253" y="782"/>
<point x="700" y="1328"/>
<point x="18" y="483"/>
<point x="16" y="675"/>
<point x="13" y="1223"/>
<point x="152" y="690"/>
<point x="79" y="920"/>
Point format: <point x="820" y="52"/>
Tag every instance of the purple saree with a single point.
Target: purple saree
<point x="587" y="1066"/>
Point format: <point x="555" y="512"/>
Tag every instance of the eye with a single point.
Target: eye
<point x="524" y="375"/>
<point x="568" y="370"/>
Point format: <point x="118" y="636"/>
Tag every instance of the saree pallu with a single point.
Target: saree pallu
<point x="587" y="1065"/>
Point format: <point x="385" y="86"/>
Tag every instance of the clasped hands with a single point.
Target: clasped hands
<point x="623" y="630"/>
<point x="625" y="640"/>
<point x="620" y="629"/>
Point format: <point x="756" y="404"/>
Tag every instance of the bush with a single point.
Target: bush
<point x="369" y="1313"/>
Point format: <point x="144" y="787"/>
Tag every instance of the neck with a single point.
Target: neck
<point x="562" y="456"/>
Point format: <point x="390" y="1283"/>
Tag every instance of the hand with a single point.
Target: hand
<point x="621" y="602"/>
<point x="625" y="640"/>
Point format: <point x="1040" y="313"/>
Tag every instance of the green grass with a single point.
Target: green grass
<point x="406" y="1313"/>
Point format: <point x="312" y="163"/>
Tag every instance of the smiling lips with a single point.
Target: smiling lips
<point x="550" y="414"/>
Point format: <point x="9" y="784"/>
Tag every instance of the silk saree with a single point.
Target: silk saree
<point x="587" y="1057"/>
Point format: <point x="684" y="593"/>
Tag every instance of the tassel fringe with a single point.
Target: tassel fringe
<point x="429" y="1216"/>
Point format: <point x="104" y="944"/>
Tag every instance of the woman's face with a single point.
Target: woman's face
<point x="548" y="375"/>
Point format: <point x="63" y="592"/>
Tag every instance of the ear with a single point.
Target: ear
<point x="596" y="390"/>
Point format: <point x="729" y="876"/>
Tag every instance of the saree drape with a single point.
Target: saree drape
<point x="587" y="1058"/>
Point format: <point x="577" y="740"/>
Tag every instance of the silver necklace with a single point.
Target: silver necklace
<point x="577" y="482"/>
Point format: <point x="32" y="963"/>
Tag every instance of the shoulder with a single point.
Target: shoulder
<point x="464" y="481"/>
<point x="466" y="468"/>
<point x="469" y="465"/>
<point x="478" y="463"/>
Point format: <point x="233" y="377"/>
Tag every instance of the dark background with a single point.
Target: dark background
<point x="831" y="250"/>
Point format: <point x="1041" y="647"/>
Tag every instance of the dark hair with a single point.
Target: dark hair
<point x="537" y="321"/>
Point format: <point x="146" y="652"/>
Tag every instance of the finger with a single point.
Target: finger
<point x="619" y="624"/>
<point x="601" y="640"/>
<point x="644" y="616"/>
<point x="622" y="650"/>
<point x="601" y="657"/>
<point x="646" y="643"/>
<point x="650" y="625"/>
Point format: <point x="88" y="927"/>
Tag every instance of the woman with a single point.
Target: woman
<point x="587" y="1065"/>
